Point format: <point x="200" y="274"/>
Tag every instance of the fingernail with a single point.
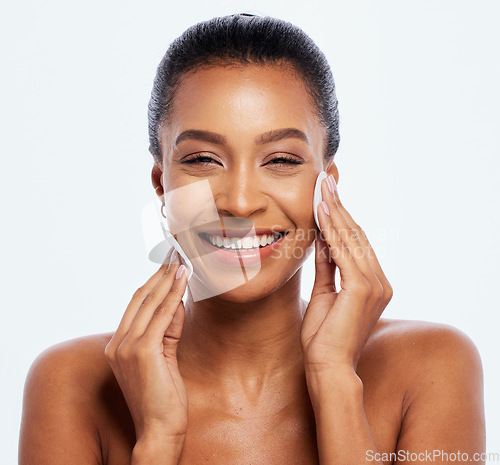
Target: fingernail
<point x="332" y="185"/>
<point x="174" y="257"/>
<point x="325" y="208"/>
<point x="180" y="271"/>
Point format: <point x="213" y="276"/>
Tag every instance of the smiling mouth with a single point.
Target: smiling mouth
<point x="239" y="244"/>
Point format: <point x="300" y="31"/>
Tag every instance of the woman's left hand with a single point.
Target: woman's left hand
<point x="337" y="325"/>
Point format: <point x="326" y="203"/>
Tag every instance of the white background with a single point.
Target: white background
<point x="419" y="163"/>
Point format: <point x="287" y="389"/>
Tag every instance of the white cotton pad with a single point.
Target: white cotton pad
<point x="158" y="239"/>
<point x="184" y="259"/>
<point x="317" y="197"/>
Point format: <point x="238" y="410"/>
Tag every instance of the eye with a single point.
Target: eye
<point x="200" y="158"/>
<point x="283" y="160"/>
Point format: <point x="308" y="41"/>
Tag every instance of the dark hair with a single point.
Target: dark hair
<point x="240" y="40"/>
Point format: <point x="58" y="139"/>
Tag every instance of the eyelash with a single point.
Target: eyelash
<point x="198" y="157"/>
<point x="288" y="159"/>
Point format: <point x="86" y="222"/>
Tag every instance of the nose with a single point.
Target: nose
<point x="239" y="194"/>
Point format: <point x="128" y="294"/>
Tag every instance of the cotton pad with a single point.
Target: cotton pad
<point x="158" y="239"/>
<point x="184" y="259"/>
<point x="317" y="197"/>
<point x="188" y="221"/>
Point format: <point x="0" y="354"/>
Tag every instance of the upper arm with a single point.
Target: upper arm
<point x="444" y="410"/>
<point x="57" y="425"/>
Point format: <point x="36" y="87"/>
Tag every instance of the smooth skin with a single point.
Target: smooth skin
<point x="257" y="375"/>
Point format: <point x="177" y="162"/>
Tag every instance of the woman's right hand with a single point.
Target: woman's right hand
<point x="143" y="356"/>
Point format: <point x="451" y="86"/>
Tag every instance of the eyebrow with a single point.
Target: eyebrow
<point x="204" y="136"/>
<point x="266" y="138"/>
<point x="280" y="134"/>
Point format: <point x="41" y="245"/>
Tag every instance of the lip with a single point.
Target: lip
<point x="242" y="257"/>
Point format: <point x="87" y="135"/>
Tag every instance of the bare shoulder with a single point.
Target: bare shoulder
<point x="85" y="348"/>
<point x="418" y="351"/>
<point x="77" y="364"/>
<point x="435" y="373"/>
<point x="422" y="343"/>
<point x="61" y="396"/>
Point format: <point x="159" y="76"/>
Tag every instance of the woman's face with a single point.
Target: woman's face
<point x="254" y="134"/>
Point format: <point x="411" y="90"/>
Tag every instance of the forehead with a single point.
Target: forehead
<point x="243" y="101"/>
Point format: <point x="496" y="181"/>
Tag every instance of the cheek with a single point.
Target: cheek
<point x="297" y="204"/>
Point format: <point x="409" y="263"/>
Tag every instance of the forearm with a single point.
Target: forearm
<point x="343" y="433"/>
<point x="157" y="452"/>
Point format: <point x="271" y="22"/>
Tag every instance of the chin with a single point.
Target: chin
<point x="261" y="286"/>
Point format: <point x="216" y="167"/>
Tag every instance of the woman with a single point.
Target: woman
<point x="248" y="105"/>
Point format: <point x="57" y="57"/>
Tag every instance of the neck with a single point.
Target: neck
<point x="239" y="342"/>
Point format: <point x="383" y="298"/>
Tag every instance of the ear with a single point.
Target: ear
<point x="331" y="168"/>
<point x="157" y="177"/>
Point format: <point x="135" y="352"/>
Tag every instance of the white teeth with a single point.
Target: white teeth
<point x="245" y="242"/>
<point x="236" y="243"/>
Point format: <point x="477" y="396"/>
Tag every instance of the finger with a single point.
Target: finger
<point x="174" y="330"/>
<point x="151" y="302"/>
<point x="324" y="280"/>
<point x="371" y="256"/>
<point x="163" y="317"/>
<point x="136" y="301"/>
<point x="139" y="296"/>
<point x="165" y="326"/>
<point x="171" y="341"/>
<point x="347" y="235"/>
<point x="350" y="274"/>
